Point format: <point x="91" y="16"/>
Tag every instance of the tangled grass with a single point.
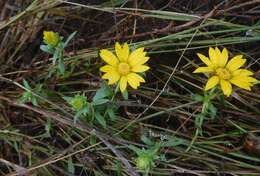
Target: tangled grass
<point x="156" y="130"/>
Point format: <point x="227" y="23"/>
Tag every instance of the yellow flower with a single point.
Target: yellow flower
<point x="124" y="66"/>
<point x="225" y="72"/>
<point x="51" y="38"/>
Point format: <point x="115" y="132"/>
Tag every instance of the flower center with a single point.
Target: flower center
<point x="223" y="73"/>
<point x="123" y="68"/>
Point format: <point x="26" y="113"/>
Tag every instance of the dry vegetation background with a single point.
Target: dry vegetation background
<point x="44" y="140"/>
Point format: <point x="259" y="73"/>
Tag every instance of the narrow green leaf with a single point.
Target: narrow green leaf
<point x="71" y="167"/>
<point x="198" y="97"/>
<point x="212" y="110"/>
<point x="135" y="149"/>
<point x="125" y="95"/>
<point x="47" y="49"/>
<point x="34" y="101"/>
<point x="173" y="142"/>
<point x="26" y="84"/>
<point x="111" y="113"/>
<point x="118" y="168"/>
<point x="101" y="120"/>
<point x="69" y="38"/>
<point x="146" y="140"/>
<point x="199" y="120"/>
<point x="93" y="140"/>
<point x="61" y="66"/>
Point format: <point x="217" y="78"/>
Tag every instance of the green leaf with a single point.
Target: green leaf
<point x="68" y="99"/>
<point x="125" y="95"/>
<point x="172" y="142"/>
<point x="118" y="168"/>
<point x="199" y="120"/>
<point x="86" y="109"/>
<point x="56" y="56"/>
<point x="146" y="140"/>
<point x="16" y="147"/>
<point x="212" y="110"/>
<point x="198" y="97"/>
<point x="71" y="167"/>
<point x="34" y="101"/>
<point x="69" y="38"/>
<point x="93" y="140"/>
<point x="102" y="92"/>
<point x="25" y="97"/>
<point x="61" y="66"/>
<point x="163" y="158"/>
<point x="100" y="102"/>
<point x="76" y="117"/>
<point x="26" y="84"/>
<point x="38" y="88"/>
<point x="111" y="113"/>
<point x="101" y="120"/>
<point x="135" y="149"/>
<point x="154" y="149"/>
<point x="47" y="49"/>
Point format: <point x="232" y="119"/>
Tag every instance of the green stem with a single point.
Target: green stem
<point x="212" y="95"/>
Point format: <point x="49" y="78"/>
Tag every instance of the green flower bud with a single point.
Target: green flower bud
<point x="144" y="162"/>
<point x="78" y="102"/>
<point x="51" y="38"/>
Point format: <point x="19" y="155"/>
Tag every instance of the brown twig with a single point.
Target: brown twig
<point x="167" y="29"/>
<point x="239" y="6"/>
<point x="67" y="121"/>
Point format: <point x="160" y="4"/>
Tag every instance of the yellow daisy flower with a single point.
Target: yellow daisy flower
<point x="124" y="66"/>
<point x="225" y="72"/>
<point x="51" y="38"/>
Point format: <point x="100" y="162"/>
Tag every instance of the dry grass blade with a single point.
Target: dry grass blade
<point x="72" y="122"/>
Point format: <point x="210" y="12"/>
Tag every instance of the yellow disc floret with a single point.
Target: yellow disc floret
<point x="223" y="73"/>
<point x="123" y="68"/>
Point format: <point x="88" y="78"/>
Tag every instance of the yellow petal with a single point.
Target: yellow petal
<point x="134" y="80"/>
<point x="251" y="79"/>
<point x="133" y="83"/>
<point x="226" y="87"/>
<point x="246" y="79"/>
<point x="242" y="72"/>
<point x="224" y="58"/>
<point x="205" y="59"/>
<point x="107" y="68"/>
<point x="106" y="75"/>
<point x="137" y="57"/>
<point x="112" y="77"/>
<point x="138" y="77"/>
<point x="140" y="68"/>
<point x="123" y="83"/>
<point x="108" y="57"/>
<point x="213" y="57"/>
<point x="212" y="82"/>
<point x="122" y="52"/>
<point x="218" y="53"/>
<point x="235" y="63"/>
<point x="240" y="83"/>
<point x="203" y="70"/>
